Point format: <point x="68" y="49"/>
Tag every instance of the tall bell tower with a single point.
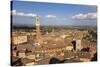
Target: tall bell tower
<point x="37" y="23"/>
<point x="38" y="33"/>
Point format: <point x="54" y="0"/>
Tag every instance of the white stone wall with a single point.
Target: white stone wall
<point x="78" y="44"/>
<point x="21" y="55"/>
<point x="19" y="39"/>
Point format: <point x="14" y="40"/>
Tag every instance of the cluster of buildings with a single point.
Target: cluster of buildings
<point x="32" y="48"/>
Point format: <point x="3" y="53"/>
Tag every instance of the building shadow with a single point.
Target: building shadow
<point x="55" y="61"/>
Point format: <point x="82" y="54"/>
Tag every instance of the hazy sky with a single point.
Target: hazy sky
<point x="23" y="13"/>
